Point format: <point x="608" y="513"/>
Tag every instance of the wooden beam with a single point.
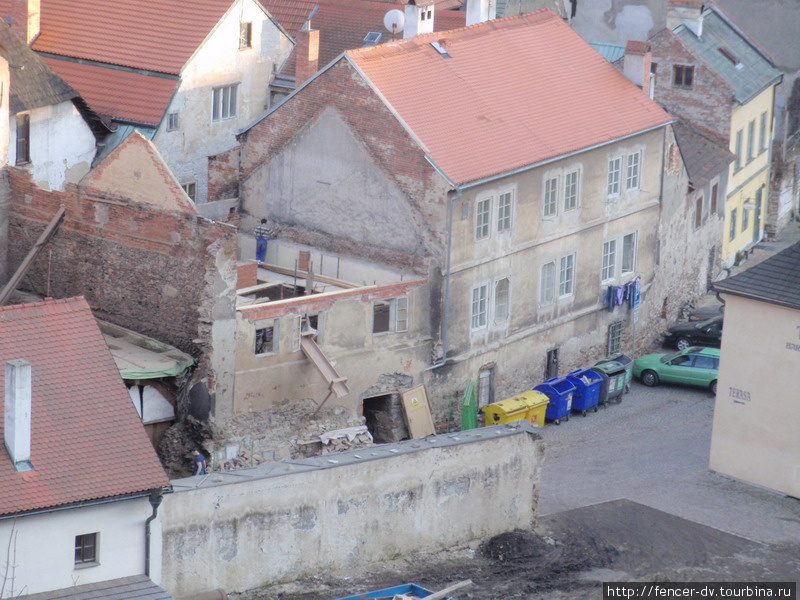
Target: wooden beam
<point x="304" y="274"/>
<point x="48" y="232"/>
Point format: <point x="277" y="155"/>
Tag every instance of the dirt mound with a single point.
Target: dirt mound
<point x="516" y="545"/>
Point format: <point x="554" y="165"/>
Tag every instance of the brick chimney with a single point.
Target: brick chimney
<point x="685" y="12"/>
<point x="306" y="54"/>
<point x="24" y="19"/>
<point x="419" y="18"/>
<point x="17" y="424"/>
<point x="479" y="11"/>
<point x="636" y="64"/>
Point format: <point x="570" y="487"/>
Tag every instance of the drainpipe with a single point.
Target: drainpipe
<point x="156" y="496"/>
<point x="446" y="301"/>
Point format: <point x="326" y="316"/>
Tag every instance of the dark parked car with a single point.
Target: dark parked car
<point x="706" y="312"/>
<point x="701" y="333"/>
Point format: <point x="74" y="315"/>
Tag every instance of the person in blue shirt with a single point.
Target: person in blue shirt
<point x="262" y="233"/>
<point x="198" y="462"/>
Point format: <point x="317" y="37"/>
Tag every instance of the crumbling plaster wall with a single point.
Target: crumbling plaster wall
<point x="168" y="275"/>
<point x="263" y="530"/>
<point x="221" y="62"/>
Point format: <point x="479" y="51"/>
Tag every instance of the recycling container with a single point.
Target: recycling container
<point x="627" y="362"/>
<point x="559" y="391"/>
<point x="505" y="411"/>
<point x="587" y="389"/>
<point x="537" y="406"/>
<point x="614" y="381"/>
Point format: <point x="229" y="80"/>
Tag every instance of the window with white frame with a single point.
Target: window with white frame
<point x="480" y="302"/>
<point x="483" y="213"/>
<point x="633" y="173"/>
<point x="390" y="315"/>
<point x="191" y="190"/>
<point x="504" y="203"/>
<point x="609" y="260"/>
<point x="550" y="204"/>
<point x="571" y="190"/>
<point x="547" y="284"/>
<point x="614" y="171"/>
<point x="173" y="121"/>
<point x="223" y="102"/>
<point x="502" y="299"/>
<point x="628" y="253"/>
<point x="566" y="275"/>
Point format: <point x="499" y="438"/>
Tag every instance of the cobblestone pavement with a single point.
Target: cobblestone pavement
<point x="653" y="448"/>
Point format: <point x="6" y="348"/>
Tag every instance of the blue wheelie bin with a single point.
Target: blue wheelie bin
<point x="587" y="389"/>
<point x="560" y="392"/>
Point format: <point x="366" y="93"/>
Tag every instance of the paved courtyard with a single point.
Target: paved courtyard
<point x="652" y="448"/>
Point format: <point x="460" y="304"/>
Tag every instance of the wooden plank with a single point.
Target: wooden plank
<point x="418" y="412"/>
<point x="304" y="274"/>
<point x="48" y="232"/>
<point x="314" y="353"/>
<point x="449" y="590"/>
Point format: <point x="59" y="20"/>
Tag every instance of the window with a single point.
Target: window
<point x="732" y="233"/>
<point x="265" y="342"/>
<point x="737" y="163"/>
<point x="551" y="364"/>
<point x="745" y="219"/>
<point x="172" y="121"/>
<point x="566" y="275"/>
<point x="313" y="322"/>
<point x="486" y="385"/>
<point x="571" y="190"/>
<point x="191" y="190"/>
<point x="614" y="338"/>
<point x="483" y="211"/>
<point x="628" y="253"/>
<point x="390" y="315"/>
<point x="698" y="212"/>
<point x="86" y="549"/>
<point x="373" y="37"/>
<point x="479" y="305"/>
<point x="751" y="134"/>
<point x="23" y="139"/>
<point x="547" y="284"/>
<point x="682" y="76"/>
<point x="245" y="35"/>
<point x="632" y="178"/>
<point x="550" y="197"/>
<point x="614" y="168"/>
<point x="762" y="134"/>
<point x="704" y="362"/>
<point x="502" y="299"/>
<point x="714" y="192"/>
<point x="609" y="259"/>
<point x="223" y="103"/>
<point x="504" y="211"/>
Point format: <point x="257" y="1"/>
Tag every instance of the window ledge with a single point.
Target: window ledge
<point x="87" y="565"/>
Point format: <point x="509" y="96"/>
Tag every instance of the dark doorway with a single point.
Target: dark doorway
<point x="384" y="418"/>
<point x="551" y="366"/>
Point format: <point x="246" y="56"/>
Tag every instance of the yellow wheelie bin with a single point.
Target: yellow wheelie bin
<point x="528" y="406"/>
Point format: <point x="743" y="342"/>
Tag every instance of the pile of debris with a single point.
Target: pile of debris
<point x="242" y="460"/>
<point x="345" y="439"/>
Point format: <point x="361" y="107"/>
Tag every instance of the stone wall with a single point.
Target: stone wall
<point x="286" y="520"/>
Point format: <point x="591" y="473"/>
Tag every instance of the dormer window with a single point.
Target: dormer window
<point x="682" y="76"/>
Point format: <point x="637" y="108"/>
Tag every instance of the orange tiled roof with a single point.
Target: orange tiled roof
<point x="87" y="441"/>
<point x="118" y="94"/>
<point x="157" y="36"/>
<point x="514" y="92"/>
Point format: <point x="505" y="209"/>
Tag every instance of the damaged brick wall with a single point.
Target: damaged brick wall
<point x="223" y="175"/>
<point x="155" y="271"/>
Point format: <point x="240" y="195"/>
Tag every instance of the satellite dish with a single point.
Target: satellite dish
<point x="394" y="20"/>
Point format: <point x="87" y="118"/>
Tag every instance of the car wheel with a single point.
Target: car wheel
<point x="650" y="378"/>
<point x="683" y="343"/>
<point x="714" y="387"/>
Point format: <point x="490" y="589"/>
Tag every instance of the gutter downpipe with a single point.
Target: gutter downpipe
<point x="155" y="498"/>
<point x="446" y="300"/>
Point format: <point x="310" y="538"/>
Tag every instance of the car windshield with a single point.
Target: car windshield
<point x="669" y="357"/>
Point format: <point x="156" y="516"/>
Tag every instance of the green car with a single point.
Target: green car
<point x="696" y="366"/>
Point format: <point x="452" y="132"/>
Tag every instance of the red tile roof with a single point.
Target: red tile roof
<point x="514" y="92"/>
<point x="118" y="94"/>
<point x="87" y="441"/>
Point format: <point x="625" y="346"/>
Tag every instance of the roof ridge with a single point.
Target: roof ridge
<point x="77" y="300"/>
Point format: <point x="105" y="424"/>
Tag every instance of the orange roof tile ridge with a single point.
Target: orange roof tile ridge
<point x="76" y="302"/>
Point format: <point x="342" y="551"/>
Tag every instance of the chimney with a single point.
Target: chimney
<point x="479" y="11"/>
<point x="686" y="12"/>
<point x="636" y="64"/>
<point x="24" y="19"/>
<point x="306" y="52"/>
<point x="418" y="18"/>
<point x="17" y="425"/>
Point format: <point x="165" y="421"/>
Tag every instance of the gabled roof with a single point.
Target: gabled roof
<point x="87" y="442"/>
<point x="775" y="280"/>
<point x="704" y="158"/>
<point x="747" y="70"/>
<point x="553" y="95"/>
<point x="33" y="83"/>
<point x="135" y="587"/>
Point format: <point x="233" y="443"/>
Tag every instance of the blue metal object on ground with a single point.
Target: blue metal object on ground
<point x="587" y="389"/>
<point x="407" y="588"/>
<point x="560" y="392"/>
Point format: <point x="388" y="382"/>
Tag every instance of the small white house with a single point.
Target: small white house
<point x="80" y="481"/>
